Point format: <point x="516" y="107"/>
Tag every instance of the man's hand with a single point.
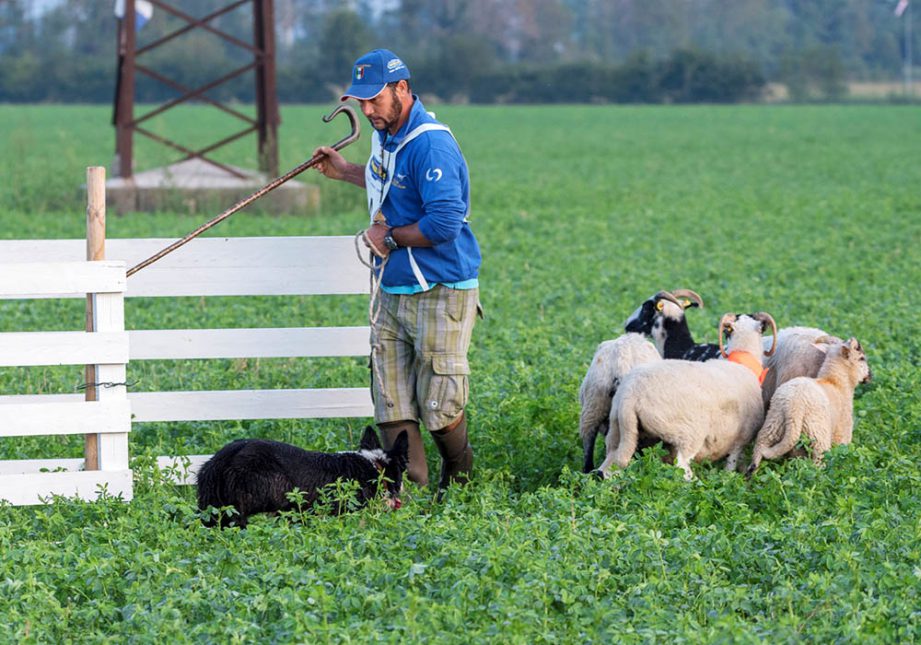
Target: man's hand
<point x="374" y="240"/>
<point x="333" y="164"/>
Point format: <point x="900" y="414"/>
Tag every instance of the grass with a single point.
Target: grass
<point x="810" y="213"/>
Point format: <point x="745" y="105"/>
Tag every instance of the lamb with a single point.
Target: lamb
<point x="662" y="317"/>
<point x="821" y="408"/>
<point x="704" y="410"/>
<point x="612" y="361"/>
<point x="796" y="355"/>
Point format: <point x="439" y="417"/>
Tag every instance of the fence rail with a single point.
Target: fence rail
<point x="108" y="419"/>
<point x="275" y="266"/>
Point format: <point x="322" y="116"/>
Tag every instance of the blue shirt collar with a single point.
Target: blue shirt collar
<point x="417" y="116"/>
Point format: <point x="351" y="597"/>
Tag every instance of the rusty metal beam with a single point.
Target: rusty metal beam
<point x="124" y="101"/>
<point x="266" y="95"/>
<point x="203" y="25"/>
<point x="194" y="93"/>
<point x="191" y="153"/>
<point x="190" y="27"/>
<point x="263" y="50"/>
<point x="184" y="89"/>
<point x="225" y="141"/>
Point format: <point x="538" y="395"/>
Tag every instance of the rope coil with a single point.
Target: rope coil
<point x="374" y="303"/>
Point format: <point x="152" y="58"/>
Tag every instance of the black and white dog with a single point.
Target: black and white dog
<point x="256" y="475"/>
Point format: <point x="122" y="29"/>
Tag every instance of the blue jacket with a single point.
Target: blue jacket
<point x="430" y="186"/>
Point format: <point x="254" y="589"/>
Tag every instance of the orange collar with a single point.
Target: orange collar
<point x="749" y="361"/>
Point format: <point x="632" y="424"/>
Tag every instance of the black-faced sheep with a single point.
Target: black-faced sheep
<point x="820" y="408"/>
<point x="662" y="318"/>
<point x="706" y="411"/>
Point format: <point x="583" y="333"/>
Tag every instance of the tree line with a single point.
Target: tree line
<point x="486" y="51"/>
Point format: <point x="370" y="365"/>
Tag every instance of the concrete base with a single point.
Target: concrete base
<point x="195" y="186"/>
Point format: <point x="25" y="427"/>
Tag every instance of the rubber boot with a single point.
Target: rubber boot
<point x="456" y="454"/>
<point x="418" y="470"/>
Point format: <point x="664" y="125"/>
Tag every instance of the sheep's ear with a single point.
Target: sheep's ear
<point x="854" y="344"/>
<point x="686" y="303"/>
<point x="369" y="440"/>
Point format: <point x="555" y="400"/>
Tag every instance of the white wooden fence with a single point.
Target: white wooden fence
<point x="108" y="417"/>
<point x="273" y="266"/>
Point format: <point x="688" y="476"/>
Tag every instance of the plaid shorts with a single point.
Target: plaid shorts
<point x="420" y="346"/>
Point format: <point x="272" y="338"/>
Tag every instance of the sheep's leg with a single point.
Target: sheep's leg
<point x="592" y="420"/>
<point x="683" y="461"/>
<point x="611" y="443"/>
<point x="821" y="443"/>
<point x="733" y="459"/>
<point x="589" y="435"/>
<point x="588" y="451"/>
<point x="623" y="434"/>
<point x="756" y="461"/>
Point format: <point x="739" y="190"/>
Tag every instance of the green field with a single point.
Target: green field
<point x="810" y="213"/>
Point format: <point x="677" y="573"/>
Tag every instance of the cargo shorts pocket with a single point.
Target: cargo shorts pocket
<point x="447" y="391"/>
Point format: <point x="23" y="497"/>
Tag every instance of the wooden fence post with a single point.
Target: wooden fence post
<point x="95" y="250"/>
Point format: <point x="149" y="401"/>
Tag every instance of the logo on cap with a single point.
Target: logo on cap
<point x="395" y="64"/>
<point x="360" y="71"/>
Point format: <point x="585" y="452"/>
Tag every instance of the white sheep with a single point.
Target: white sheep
<point x="706" y="411"/>
<point x="820" y="408"/>
<point x="661" y="317"/>
<point x="796" y="355"/>
<point x="612" y="361"/>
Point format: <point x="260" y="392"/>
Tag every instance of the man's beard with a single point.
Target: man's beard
<point x="396" y="108"/>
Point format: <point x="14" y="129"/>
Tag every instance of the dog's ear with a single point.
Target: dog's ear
<point x="369" y="440"/>
<point x="400" y="448"/>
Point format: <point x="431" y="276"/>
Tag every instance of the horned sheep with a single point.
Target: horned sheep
<point x="820" y="408"/>
<point x="661" y="317"/>
<point x="706" y="411"/>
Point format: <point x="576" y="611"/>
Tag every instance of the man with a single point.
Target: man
<point x="418" y="200"/>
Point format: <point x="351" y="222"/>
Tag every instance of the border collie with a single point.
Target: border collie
<point x="256" y="475"/>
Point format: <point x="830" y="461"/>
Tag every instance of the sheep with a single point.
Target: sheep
<point x="612" y="360"/>
<point x="704" y="410"/>
<point x="796" y="355"/>
<point x="662" y="317"/>
<point x="821" y="408"/>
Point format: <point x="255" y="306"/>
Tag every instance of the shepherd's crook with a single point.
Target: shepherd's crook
<point x="272" y="185"/>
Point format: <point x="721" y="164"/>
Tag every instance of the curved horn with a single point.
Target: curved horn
<point x="352" y="137"/>
<point x="667" y="295"/>
<point x="687" y="293"/>
<point x="725" y="322"/>
<point x="764" y="317"/>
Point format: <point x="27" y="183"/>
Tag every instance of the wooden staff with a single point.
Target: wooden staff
<point x="272" y="185"/>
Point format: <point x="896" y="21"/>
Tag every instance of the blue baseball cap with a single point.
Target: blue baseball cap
<point x="372" y="72"/>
